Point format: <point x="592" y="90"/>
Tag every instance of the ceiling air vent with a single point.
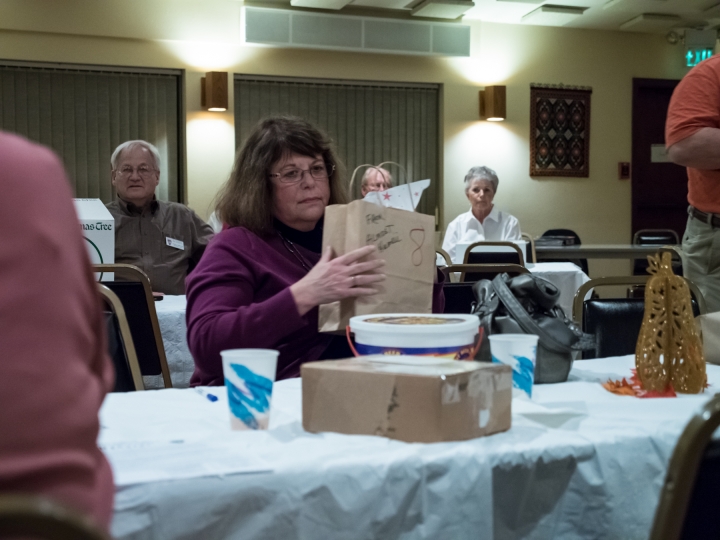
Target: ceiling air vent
<point x="284" y="28"/>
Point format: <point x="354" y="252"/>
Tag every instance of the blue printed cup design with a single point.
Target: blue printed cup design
<point x="523" y="371"/>
<point x="519" y="351"/>
<point x="250" y="399"/>
<point x="249" y="375"/>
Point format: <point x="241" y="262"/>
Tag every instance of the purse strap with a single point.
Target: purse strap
<point x="525" y="321"/>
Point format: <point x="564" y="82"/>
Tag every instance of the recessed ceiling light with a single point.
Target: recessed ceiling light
<point x="550" y="15"/>
<point x="523" y="1"/>
<point x="623" y="3"/>
<point x="320" y="4"/>
<point x="712" y="11"/>
<point x="651" y="21"/>
<point x="442" y="9"/>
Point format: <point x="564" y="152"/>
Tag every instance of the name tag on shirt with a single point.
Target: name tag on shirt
<point x="177" y="244"/>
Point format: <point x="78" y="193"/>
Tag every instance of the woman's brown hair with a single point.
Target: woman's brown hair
<point x="246" y="199"/>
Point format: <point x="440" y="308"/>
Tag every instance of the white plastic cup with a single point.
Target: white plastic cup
<point x="249" y="377"/>
<point x="519" y="351"/>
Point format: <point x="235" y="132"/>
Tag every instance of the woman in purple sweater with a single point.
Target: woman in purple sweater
<point x="260" y="281"/>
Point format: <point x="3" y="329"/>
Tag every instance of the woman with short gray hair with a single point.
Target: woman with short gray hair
<point x="483" y="221"/>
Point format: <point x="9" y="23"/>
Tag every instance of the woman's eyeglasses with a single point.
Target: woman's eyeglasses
<point x="293" y="176"/>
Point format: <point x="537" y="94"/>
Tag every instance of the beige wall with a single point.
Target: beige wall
<point x="200" y="36"/>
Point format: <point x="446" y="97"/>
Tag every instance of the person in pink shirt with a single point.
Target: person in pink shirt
<point x="54" y="370"/>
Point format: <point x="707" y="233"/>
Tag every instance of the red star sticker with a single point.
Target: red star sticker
<point x="386" y="196"/>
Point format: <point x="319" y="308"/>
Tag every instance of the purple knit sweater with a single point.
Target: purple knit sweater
<point x="239" y="297"/>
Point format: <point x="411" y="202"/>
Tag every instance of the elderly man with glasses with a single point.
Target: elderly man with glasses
<point x="164" y="239"/>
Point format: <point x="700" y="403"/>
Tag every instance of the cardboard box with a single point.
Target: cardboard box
<point x="98" y="228"/>
<point x="412" y="399"/>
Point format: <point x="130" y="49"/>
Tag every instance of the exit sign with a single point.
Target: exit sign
<point x="696" y="55"/>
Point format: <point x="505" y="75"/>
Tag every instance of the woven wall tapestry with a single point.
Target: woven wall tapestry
<point x="559" y="130"/>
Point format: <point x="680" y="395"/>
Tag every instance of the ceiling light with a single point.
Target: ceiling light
<point x="442" y="9"/>
<point x="651" y="21"/>
<point x="320" y="4"/>
<point x="712" y="11"/>
<point x="550" y="15"/>
<point x="625" y="3"/>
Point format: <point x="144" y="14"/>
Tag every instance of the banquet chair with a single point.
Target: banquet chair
<point x="120" y="344"/>
<point x="37" y="518"/>
<point x="476" y="272"/>
<point x="459" y="297"/>
<point x="501" y="253"/>
<point x="690" y="498"/>
<point x="530" y="254"/>
<point x="444" y="255"/>
<point x="616" y="322"/>
<point x="654" y="237"/>
<point x="570" y="234"/>
<point x="137" y="299"/>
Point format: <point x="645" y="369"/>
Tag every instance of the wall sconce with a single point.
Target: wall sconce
<point x="214" y="91"/>
<point x="492" y="103"/>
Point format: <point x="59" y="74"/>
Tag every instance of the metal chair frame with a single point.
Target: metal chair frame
<point x="515" y="269"/>
<point x="578" y="301"/>
<point x="531" y="241"/>
<point x="30" y="516"/>
<point x="445" y="255"/>
<point x="132" y="359"/>
<point x="133" y="273"/>
<point x="498" y="244"/>
<point x="683" y="470"/>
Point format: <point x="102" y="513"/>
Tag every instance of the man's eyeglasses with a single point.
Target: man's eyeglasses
<point x="293" y="176"/>
<point x="143" y="170"/>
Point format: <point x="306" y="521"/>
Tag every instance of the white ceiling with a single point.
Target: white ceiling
<point x="600" y="14"/>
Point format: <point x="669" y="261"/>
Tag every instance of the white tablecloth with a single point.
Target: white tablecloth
<point x="578" y="462"/>
<point x="171" y="317"/>
<point x="565" y="276"/>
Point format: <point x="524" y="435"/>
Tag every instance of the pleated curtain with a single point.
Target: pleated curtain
<point x="83" y="114"/>
<point x="368" y="123"/>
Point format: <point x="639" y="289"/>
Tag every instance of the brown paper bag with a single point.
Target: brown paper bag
<point x="405" y="240"/>
<point x="710" y="331"/>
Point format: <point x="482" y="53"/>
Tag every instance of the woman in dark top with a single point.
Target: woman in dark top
<point x="260" y="281"/>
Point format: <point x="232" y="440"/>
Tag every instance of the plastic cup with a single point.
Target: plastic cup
<point x="519" y="351"/>
<point x="249" y="377"/>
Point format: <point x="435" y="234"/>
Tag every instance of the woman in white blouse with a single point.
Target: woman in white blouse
<point x="483" y="222"/>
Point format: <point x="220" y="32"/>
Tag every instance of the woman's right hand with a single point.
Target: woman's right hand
<point x="347" y="276"/>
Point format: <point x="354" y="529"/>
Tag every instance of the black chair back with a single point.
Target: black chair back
<point x="459" y="297"/>
<point x="702" y="521"/>
<point x="132" y="296"/>
<point x="616" y="324"/>
<point x="654" y="237"/>
<point x="582" y="263"/>
<point x="494" y="257"/>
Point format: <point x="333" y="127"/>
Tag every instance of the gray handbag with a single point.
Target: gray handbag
<point x="527" y="304"/>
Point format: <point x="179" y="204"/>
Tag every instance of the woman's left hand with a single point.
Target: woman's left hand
<point x="330" y="280"/>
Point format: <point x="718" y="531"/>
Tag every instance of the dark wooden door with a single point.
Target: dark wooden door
<point x="659" y="189"/>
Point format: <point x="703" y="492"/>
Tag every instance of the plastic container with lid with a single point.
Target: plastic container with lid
<point x="446" y="336"/>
